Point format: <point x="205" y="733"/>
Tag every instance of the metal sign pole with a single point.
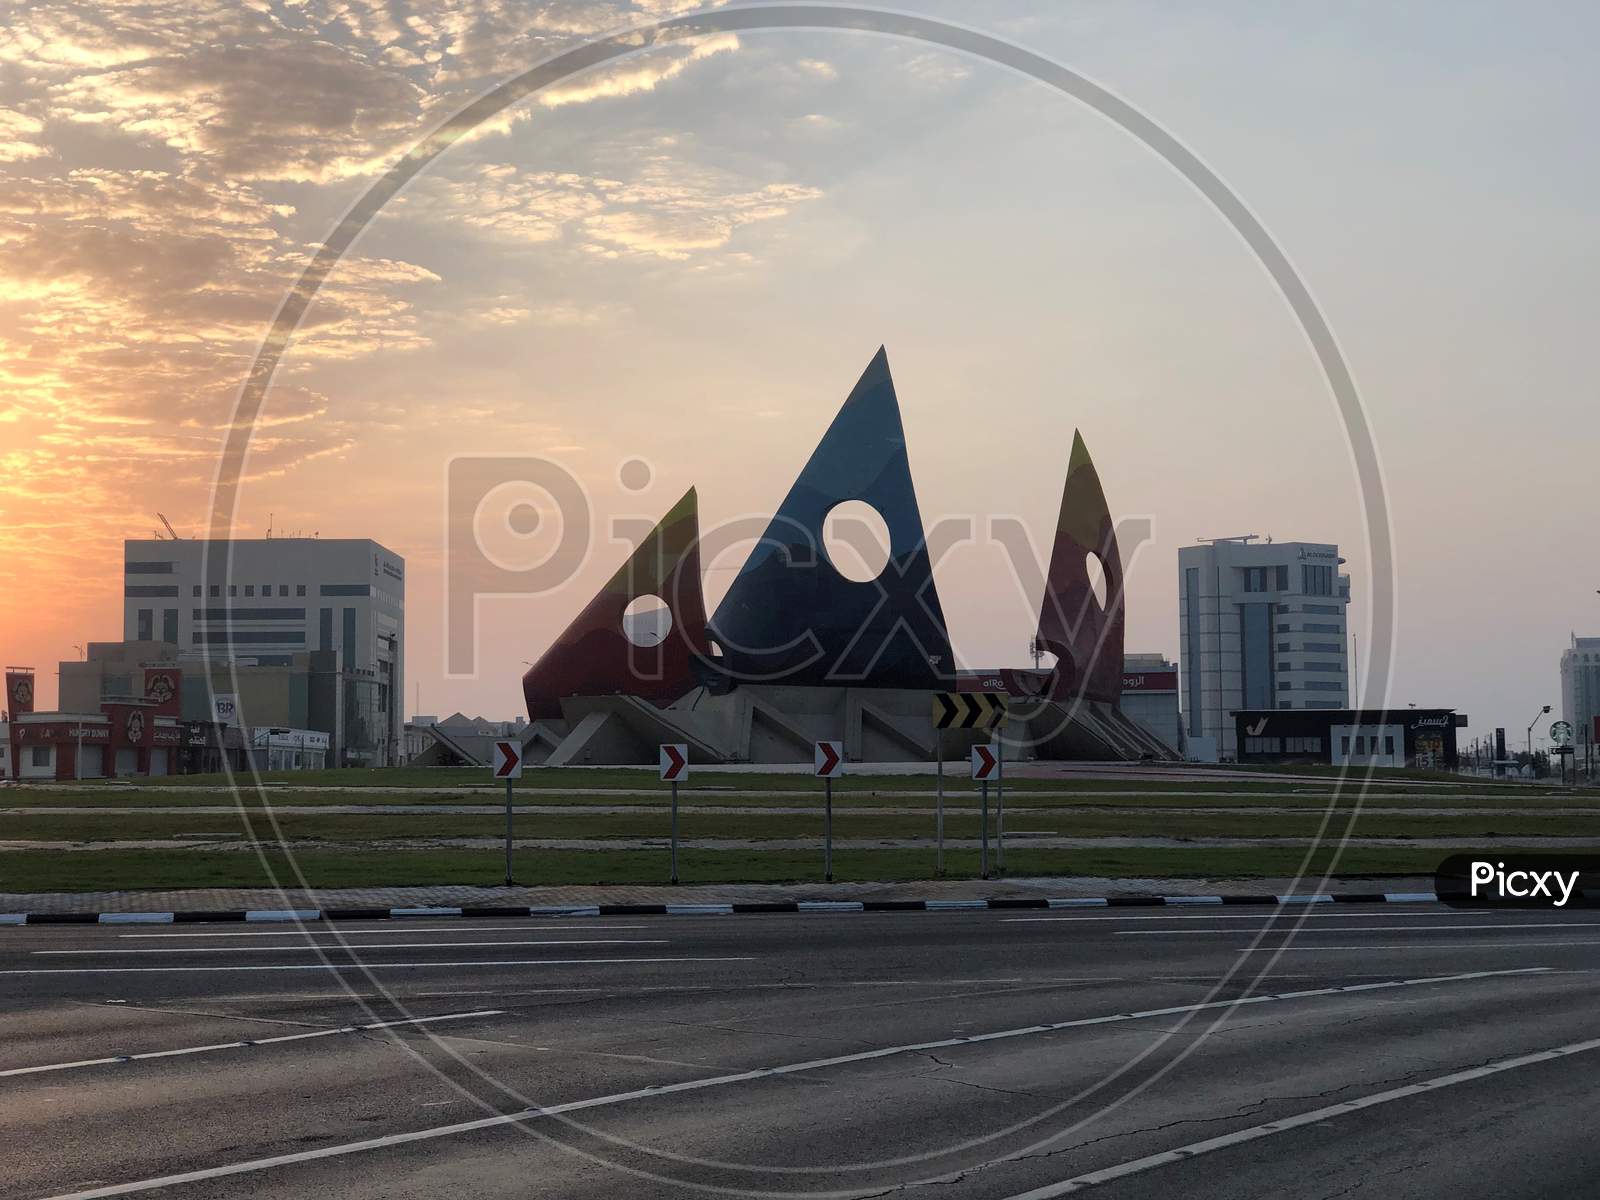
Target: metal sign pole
<point x="508" y="832"/>
<point x="938" y="804"/>
<point x="999" y="803"/>
<point x="674" y="831"/>
<point x="983" y="853"/>
<point x="827" y="829"/>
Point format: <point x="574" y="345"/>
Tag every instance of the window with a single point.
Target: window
<point x="1324" y="667"/>
<point x="1361" y="745"/>
<point x="283" y="589"/>
<point x="1330" y="610"/>
<point x="1285" y="685"/>
<point x="249" y="589"/>
<point x="1303" y="745"/>
<point x="1282" y="580"/>
<point x="169" y="626"/>
<point x="345" y="589"/>
<point x="215" y="637"/>
<point x="1316" y="581"/>
<point x="140" y="590"/>
<point x="1388" y="744"/>
<point x="1311" y="627"/>
<point x="1323" y="685"/>
<point x="147" y="631"/>
<point x="40" y="755"/>
<point x="1263" y="745"/>
<point x="233" y="589"/>
<point x="249" y="614"/>
<point x="1191" y="649"/>
<point x="1325" y="647"/>
<point x="1344" y="745"/>
<point x="148" y="568"/>
<point x="266" y="589"/>
<point x="197" y="591"/>
<point x="299" y="589"/>
<point x="325" y="640"/>
<point x="1285" y="703"/>
<point x="214" y="591"/>
<point x="1283" y="647"/>
<point x="1284" y="629"/>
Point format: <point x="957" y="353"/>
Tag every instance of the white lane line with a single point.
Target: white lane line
<point x="1300" y="1120"/>
<point x="1453" y="947"/>
<point x="266" y="1041"/>
<point x="370" y="966"/>
<point x="409" y="930"/>
<point x="1271" y="914"/>
<point x="296" y="949"/>
<point x="693" y="1085"/>
<point x="1368" y="928"/>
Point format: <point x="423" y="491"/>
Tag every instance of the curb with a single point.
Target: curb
<point x="698" y="910"/>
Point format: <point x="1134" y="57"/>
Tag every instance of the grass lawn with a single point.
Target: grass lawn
<point x="653" y="822"/>
<point x="559" y="779"/>
<point x="69" y="871"/>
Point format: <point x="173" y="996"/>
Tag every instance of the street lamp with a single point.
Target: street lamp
<point x="1531" y="724"/>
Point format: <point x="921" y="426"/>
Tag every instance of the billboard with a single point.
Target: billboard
<point x="19" y="691"/>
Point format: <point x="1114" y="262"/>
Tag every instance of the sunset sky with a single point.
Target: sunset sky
<point x="688" y="257"/>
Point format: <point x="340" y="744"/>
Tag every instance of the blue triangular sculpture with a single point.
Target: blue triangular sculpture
<point x="791" y="617"/>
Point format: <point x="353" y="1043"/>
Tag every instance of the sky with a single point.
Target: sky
<point x="669" y="272"/>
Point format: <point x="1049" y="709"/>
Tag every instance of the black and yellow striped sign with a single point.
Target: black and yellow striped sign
<point x="968" y="710"/>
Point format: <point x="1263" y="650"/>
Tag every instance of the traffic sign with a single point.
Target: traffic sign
<point x="508" y="760"/>
<point x="674" y="761"/>
<point x="1561" y="733"/>
<point x="968" y="710"/>
<point x="985" y="763"/>
<point x="828" y="761"/>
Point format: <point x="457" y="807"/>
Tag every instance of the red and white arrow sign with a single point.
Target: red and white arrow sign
<point x="674" y="761"/>
<point x="828" y="761"/>
<point x="984" y="763"/>
<point x="508" y="760"/>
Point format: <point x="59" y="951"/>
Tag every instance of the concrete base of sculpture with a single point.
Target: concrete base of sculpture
<point x="778" y="724"/>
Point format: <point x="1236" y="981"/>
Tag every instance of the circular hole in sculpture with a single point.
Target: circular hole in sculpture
<point x="647" y="621"/>
<point x="1097" y="577"/>
<point x="856" y="539"/>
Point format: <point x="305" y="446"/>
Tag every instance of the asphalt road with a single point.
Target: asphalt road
<point x="1388" y="1050"/>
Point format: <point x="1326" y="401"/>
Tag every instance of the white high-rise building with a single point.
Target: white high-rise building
<point x="1260" y="625"/>
<point x="1580" y="689"/>
<point x="267" y="600"/>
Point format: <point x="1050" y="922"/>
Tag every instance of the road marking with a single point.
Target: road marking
<point x="1269" y="914"/>
<point x="1300" y="1120"/>
<point x="293" y="949"/>
<point x="1454" y="947"/>
<point x="488" y="962"/>
<point x="409" y="930"/>
<point x="266" y="1041"/>
<point x="1348" y="929"/>
<point x="693" y="1085"/>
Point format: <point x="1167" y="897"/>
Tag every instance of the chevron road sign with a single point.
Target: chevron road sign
<point x="674" y="761"/>
<point x="828" y="760"/>
<point x="968" y="710"/>
<point x="508" y="760"/>
<point x="985" y="763"/>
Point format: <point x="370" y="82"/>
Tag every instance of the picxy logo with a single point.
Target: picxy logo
<point x="1523" y="885"/>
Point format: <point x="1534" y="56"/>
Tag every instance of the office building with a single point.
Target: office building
<point x="1261" y="625"/>
<point x="1580" y="691"/>
<point x="280" y="603"/>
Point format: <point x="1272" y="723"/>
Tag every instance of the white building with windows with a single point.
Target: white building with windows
<point x="1580" y="690"/>
<point x="1261" y="625"/>
<point x="261" y="601"/>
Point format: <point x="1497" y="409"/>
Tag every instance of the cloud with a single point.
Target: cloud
<point x="669" y="209"/>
